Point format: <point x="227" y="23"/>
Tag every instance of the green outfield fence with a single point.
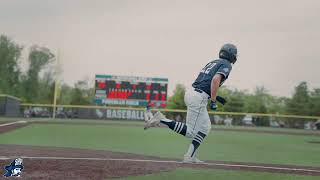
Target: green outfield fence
<point x="137" y="113"/>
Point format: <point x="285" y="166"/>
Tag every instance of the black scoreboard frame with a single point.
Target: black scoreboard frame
<point x="130" y="90"/>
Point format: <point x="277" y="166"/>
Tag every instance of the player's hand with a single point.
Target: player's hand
<point x="213" y="105"/>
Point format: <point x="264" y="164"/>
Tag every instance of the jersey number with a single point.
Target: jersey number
<point x="207" y="68"/>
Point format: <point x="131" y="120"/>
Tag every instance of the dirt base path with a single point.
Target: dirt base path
<point x="10" y="126"/>
<point x="81" y="164"/>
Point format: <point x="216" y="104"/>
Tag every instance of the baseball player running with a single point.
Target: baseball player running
<point x="205" y="87"/>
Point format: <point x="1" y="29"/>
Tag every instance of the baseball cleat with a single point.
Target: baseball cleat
<point x="154" y="121"/>
<point x="188" y="159"/>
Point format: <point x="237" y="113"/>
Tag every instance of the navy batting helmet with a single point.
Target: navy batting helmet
<point x="229" y="52"/>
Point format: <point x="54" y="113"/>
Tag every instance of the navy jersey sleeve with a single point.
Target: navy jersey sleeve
<point x="224" y="70"/>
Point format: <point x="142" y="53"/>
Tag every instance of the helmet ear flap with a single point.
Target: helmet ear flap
<point x="234" y="59"/>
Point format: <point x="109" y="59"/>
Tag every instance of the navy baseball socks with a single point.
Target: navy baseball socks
<point x="158" y="118"/>
<point x="196" y="142"/>
<point x="177" y="127"/>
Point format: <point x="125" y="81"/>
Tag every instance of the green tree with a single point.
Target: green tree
<point x="39" y="58"/>
<point x="82" y="94"/>
<point x="236" y="101"/>
<point x="176" y="101"/>
<point x="277" y="105"/>
<point x="65" y="94"/>
<point x="46" y="88"/>
<point x="315" y="102"/>
<point x="299" y="104"/>
<point x="10" y="53"/>
<point x="257" y="103"/>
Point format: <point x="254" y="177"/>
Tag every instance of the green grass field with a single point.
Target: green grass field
<point x="219" y="145"/>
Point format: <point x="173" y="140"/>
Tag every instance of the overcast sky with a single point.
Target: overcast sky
<point x="278" y="40"/>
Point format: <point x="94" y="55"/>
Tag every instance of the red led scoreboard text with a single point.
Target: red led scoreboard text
<point x="130" y="90"/>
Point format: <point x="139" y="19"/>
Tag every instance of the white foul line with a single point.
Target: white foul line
<point x="168" y="161"/>
<point x="16" y="122"/>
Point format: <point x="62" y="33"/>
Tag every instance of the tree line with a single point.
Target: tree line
<point x="303" y="101"/>
<point x="36" y="85"/>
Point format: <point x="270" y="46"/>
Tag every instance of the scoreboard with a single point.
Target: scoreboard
<point x="130" y="90"/>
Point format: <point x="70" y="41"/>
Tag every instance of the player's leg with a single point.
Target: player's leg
<point x="190" y="155"/>
<point x="192" y="100"/>
<point x="197" y="108"/>
<point x="199" y="125"/>
<point x="178" y="127"/>
<point x="147" y="115"/>
<point x="146" y="118"/>
<point x="201" y="130"/>
<point x="158" y="118"/>
<point x="192" y="103"/>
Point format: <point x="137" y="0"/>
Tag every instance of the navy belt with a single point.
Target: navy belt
<point x="200" y="91"/>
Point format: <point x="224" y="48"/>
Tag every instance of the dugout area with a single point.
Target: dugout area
<point x="9" y="106"/>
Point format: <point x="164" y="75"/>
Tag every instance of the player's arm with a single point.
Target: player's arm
<point x="215" y="83"/>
